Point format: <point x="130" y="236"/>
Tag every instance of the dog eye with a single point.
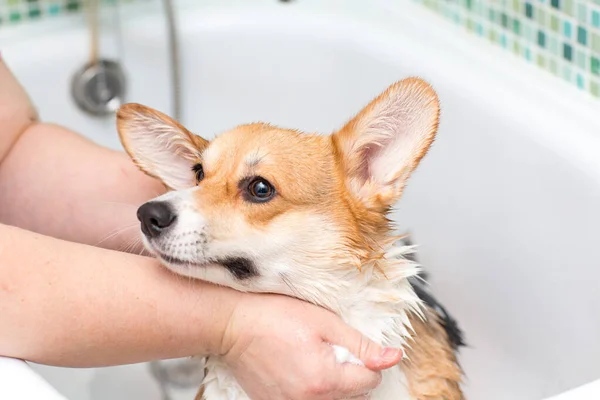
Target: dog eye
<point x="260" y="190"/>
<point x="199" y="171"/>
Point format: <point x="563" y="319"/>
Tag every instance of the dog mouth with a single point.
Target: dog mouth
<point x="174" y="260"/>
<point x="240" y="267"/>
<point x="157" y="252"/>
<point x="167" y="258"/>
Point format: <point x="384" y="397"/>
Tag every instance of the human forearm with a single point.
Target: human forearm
<point x="123" y="309"/>
<point x="16" y="111"/>
<point x="57" y="183"/>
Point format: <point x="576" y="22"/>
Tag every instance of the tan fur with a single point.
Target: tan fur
<point x="298" y="185"/>
<point x="351" y="148"/>
<point x="131" y="111"/>
<point x="320" y="175"/>
<point x="200" y="394"/>
<point x="431" y="369"/>
<point x="145" y="118"/>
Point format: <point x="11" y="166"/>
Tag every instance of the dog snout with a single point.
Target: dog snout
<point x="155" y="217"/>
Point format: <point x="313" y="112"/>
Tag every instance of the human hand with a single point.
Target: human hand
<point x="279" y="348"/>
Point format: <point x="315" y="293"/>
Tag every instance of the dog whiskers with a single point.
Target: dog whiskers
<point x="115" y="233"/>
<point x="129" y="248"/>
<point x="289" y="284"/>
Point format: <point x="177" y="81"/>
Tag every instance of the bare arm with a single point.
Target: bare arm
<point x="65" y="303"/>
<point x="16" y="111"/>
<point x="60" y="184"/>
<point x="75" y="305"/>
<point x="56" y="182"/>
<point x="68" y="304"/>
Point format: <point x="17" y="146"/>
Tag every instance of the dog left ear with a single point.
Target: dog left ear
<point x="159" y="145"/>
<point x="384" y="143"/>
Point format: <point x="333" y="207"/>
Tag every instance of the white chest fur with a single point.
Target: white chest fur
<point x="377" y="308"/>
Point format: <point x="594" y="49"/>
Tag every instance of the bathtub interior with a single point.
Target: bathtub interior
<point x="505" y="220"/>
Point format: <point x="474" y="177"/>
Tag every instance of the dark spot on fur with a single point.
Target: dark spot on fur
<point x="450" y="325"/>
<point x="240" y="267"/>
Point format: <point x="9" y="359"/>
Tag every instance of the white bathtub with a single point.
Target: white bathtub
<point x="506" y="206"/>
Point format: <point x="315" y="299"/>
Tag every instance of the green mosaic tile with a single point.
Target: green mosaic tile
<point x="516" y="5"/>
<point x="34" y="12"/>
<point x="19" y="11"/>
<point x="529" y="10"/>
<point x="54" y="9"/>
<point x="569" y="7"/>
<point x="567" y="73"/>
<point x="567" y="29"/>
<point x="554" y="24"/>
<point x="561" y="37"/>
<point x="582" y="13"/>
<point x="553" y="45"/>
<point x="530" y="33"/>
<point x="581" y="35"/>
<point x="595" y="88"/>
<point x="470" y="24"/>
<point x="479" y="29"/>
<point x="595" y="66"/>
<point x="595" y="42"/>
<point x="580" y="59"/>
<point x="457" y="18"/>
<point x="504" y="20"/>
<point x="541" y="16"/>
<point x="580" y="81"/>
<point x="72" y="6"/>
<point x="516" y="27"/>
<point x="541" y="39"/>
<point x="516" y="47"/>
<point x="541" y="61"/>
<point x="528" y="54"/>
<point x="553" y="66"/>
<point x="596" y="18"/>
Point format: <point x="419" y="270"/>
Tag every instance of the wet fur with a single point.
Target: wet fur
<point x="325" y="237"/>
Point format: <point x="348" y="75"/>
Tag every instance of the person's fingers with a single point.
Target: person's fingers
<point x="370" y="353"/>
<point x="387" y="358"/>
<point x="355" y="381"/>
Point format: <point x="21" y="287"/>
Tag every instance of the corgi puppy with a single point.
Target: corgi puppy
<point x="266" y="209"/>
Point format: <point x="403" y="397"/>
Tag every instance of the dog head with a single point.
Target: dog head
<point x="265" y="209"/>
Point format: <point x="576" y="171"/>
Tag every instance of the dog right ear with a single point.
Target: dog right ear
<point x="159" y="145"/>
<point x="383" y="144"/>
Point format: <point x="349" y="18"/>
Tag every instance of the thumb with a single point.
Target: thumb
<point x="373" y="356"/>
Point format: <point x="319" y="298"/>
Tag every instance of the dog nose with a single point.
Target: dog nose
<point x="155" y="217"/>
